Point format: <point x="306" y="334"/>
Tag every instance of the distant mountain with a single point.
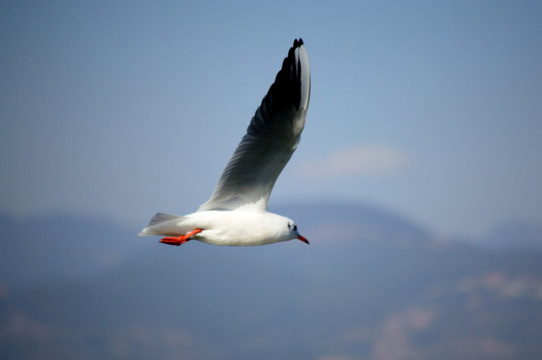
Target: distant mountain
<point x="348" y="221"/>
<point x="371" y="285"/>
<point x="61" y="247"/>
<point x="514" y="235"/>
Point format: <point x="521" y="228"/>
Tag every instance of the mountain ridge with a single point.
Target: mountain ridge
<point x="384" y="294"/>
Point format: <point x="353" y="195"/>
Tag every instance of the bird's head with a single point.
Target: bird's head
<point x="294" y="234"/>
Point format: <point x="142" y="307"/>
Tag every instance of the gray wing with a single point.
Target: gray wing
<point x="271" y="138"/>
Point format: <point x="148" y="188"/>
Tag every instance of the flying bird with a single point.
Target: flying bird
<point x="236" y="214"/>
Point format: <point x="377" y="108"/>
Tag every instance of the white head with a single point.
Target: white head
<point x="293" y="233"/>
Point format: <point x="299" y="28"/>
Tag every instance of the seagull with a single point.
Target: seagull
<point x="236" y="213"/>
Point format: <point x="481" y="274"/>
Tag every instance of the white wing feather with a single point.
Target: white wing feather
<point x="271" y="138"/>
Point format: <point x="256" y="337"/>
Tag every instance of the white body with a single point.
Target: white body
<point x="233" y="228"/>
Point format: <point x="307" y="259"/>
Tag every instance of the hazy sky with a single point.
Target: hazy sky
<point x="124" y="108"/>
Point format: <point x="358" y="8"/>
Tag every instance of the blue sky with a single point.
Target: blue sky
<point x="124" y="108"/>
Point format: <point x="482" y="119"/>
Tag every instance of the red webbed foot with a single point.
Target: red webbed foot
<point x="181" y="239"/>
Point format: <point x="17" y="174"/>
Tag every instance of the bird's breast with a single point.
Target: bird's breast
<point x="238" y="228"/>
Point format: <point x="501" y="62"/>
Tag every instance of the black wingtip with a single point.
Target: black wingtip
<point x="283" y="97"/>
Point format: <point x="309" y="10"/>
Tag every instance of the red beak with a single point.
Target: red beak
<point x="303" y="239"/>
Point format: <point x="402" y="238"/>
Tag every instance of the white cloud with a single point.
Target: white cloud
<point x="357" y="161"/>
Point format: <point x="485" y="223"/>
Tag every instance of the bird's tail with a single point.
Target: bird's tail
<point x="163" y="224"/>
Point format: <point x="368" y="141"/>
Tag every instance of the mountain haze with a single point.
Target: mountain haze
<point x="61" y="247"/>
<point x="372" y="285"/>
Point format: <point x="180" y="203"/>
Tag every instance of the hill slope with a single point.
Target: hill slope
<point x="370" y="286"/>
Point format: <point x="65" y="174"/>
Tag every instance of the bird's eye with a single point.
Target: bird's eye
<point x="289" y="226"/>
<point x="295" y="227"/>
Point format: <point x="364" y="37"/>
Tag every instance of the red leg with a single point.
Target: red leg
<point x="181" y="239"/>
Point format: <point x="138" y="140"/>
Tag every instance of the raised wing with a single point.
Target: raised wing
<point x="271" y="138"/>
